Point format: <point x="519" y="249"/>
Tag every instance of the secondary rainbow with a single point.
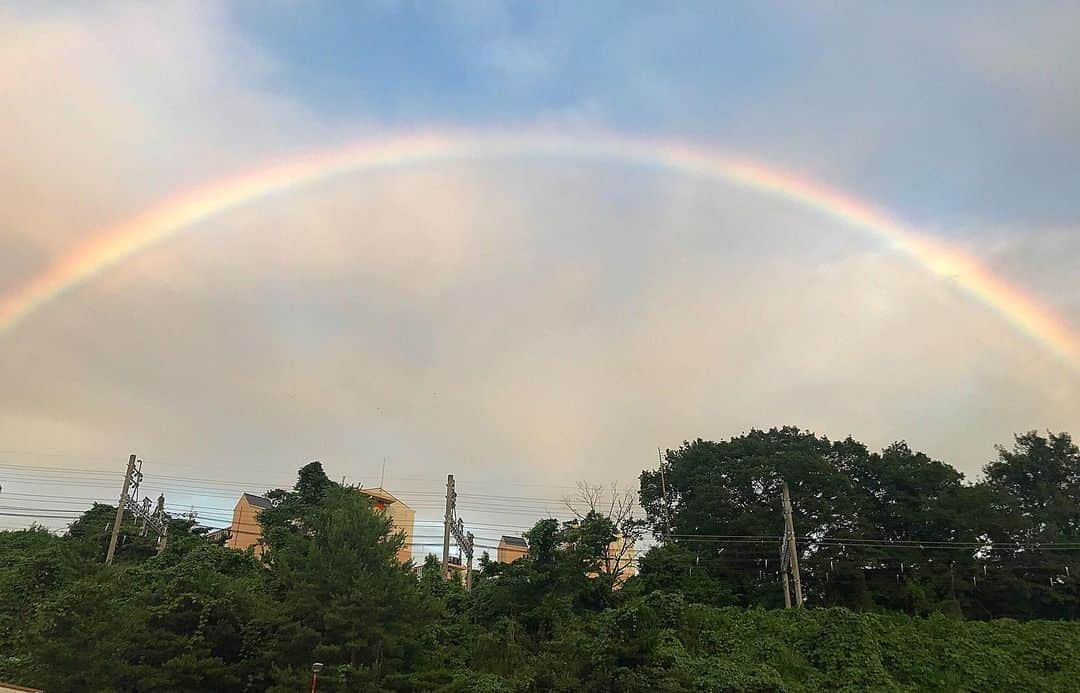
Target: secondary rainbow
<point x="172" y="215"/>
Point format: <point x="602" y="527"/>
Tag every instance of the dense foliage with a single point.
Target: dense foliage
<point x="327" y="588"/>
<point x="892" y="531"/>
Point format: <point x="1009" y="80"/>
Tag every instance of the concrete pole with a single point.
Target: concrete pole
<point x="793" y="550"/>
<point x="120" y="510"/>
<point x="447" y="519"/>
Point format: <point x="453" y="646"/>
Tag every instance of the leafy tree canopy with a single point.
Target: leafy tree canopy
<point x="908" y="568"/>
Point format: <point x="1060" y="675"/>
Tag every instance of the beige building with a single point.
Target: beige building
<point x="620" y="559"/>
<point x="511" y="548"/>
<point x="402" y="516"/>
<point x="456" y="570"/>
<point x="245" y="530"/>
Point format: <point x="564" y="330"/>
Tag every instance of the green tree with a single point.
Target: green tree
<point x="1034" y="496"/>
<point x="731" y="490"/>
<point x="341" y="596"/>
<point x="894" y="530"/>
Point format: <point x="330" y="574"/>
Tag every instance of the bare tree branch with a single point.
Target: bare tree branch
<point x="620" y="508"/>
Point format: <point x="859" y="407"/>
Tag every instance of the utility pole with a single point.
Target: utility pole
<point x="663" y="491"/>
<point x="454" y="525"/>
<point x="784" y="569"/>
<point x="151" y="517"/>
<point x="120" y="510"/>
<point x="163" y="529"/>
<point x="793" y="551"/>
<point x="468" y="569"/>
<point x="448" y="519"/>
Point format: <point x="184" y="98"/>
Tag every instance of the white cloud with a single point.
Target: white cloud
<point x="537" y="322"/>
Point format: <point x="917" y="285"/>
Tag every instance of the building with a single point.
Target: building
<point x="402" y="516"/>
<point x="511" y="548"/>
<point x="245" y="530"/>
<point x="621" y="559"/>
<point x="218" y="536"/>
<point x="456" y="570"/>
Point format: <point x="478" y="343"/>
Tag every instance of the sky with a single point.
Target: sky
<point x="523" y="322"/>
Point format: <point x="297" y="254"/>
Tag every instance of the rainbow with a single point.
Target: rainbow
<point x="170" y="216"/>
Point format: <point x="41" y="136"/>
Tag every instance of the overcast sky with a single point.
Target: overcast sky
<point x="522" y="324"/>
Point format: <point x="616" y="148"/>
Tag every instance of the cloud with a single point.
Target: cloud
<point x="513" y="322"/>
<point x="1032" y="57"/>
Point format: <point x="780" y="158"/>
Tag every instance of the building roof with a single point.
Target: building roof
<point x="517" y="542"/>
<point x="257" y="501"/>
<point x="381" y="494"/>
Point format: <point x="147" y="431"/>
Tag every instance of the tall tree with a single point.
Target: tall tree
<point x="342" y="598"/>
<point x="1033" y="490"/>
<point x="875" y="530"/>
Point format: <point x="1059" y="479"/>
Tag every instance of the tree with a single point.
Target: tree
<point x="173" y="622"/>
<point x="328" y="587"/>
<point x="618" y="509"/>
<point x="893" y="530"/>
<point x="723" y="501"/>
<point x="341" y="596"/>
<point x="1033" y="492"/>
<point x="1040" y="480"/>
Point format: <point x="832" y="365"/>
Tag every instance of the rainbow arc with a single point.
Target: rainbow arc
<point x="170" y="216"/>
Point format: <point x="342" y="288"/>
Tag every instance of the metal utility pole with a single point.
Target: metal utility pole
<point x="120" y="510"/>
<point x="793" y="551"/>
<point x="468" y="569"/>
<point x="163" y="529"/>
<point x="465" y="545"/>
<point x="448" y="520"/>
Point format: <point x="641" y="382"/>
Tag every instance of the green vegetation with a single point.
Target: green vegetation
<point x="700" y="616"/>
<point x="892" y="531"/>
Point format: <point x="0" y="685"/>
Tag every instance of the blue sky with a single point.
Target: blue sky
<point x="528" y="324"/>
<point x="959" y="115"/>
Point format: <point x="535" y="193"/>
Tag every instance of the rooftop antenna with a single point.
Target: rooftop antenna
<point x="382" y="477"/>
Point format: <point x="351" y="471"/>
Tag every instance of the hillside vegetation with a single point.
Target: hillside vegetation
<point x="699" y="617"/>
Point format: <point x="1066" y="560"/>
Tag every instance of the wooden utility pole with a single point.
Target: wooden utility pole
<point x="120" y="510"/>
<point x="793" y="551"/>
<point x="448" y="519"/>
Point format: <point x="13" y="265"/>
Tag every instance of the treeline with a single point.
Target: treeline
<point x="891" y="531"/>
<point x="328" y="588"/>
